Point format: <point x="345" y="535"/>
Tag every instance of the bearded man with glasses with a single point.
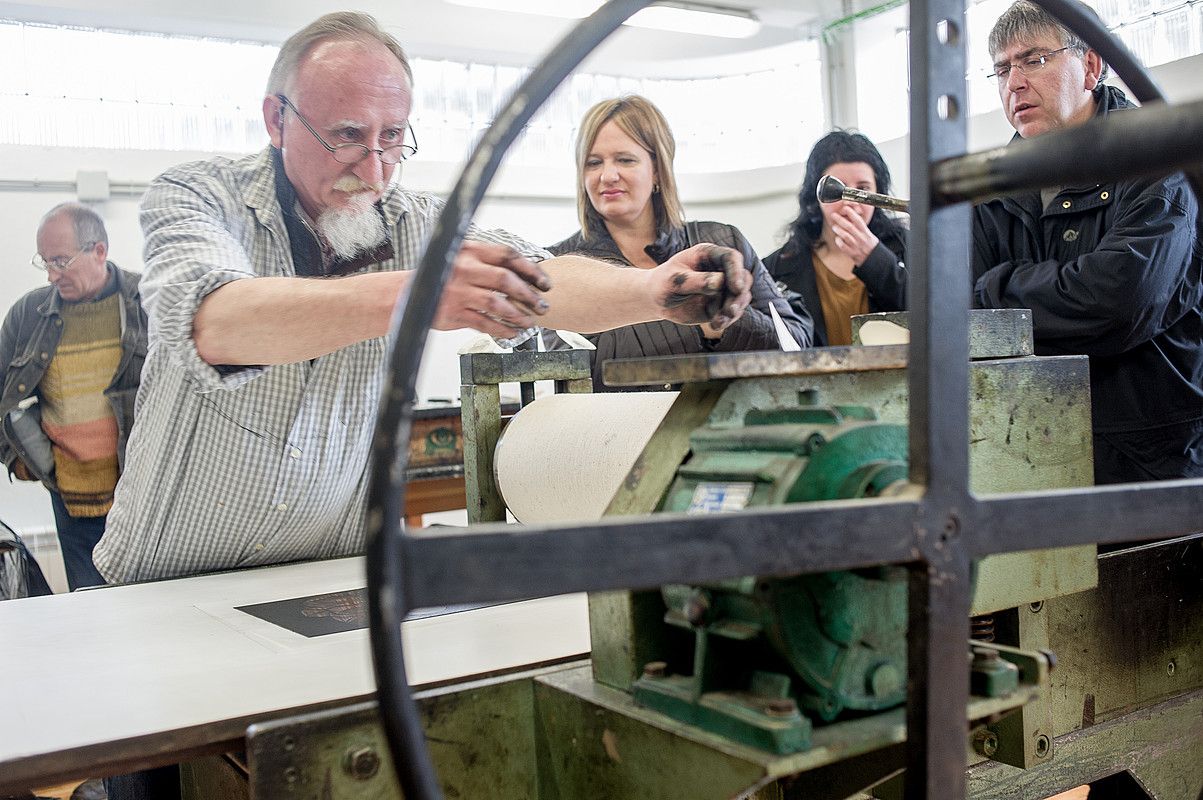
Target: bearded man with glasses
<point x="1110" y="270"/>
<point x="71" y="356"/>
<point x="269" y="283"/>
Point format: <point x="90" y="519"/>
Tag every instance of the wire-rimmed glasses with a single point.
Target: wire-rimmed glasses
<point x="352" y="152"/>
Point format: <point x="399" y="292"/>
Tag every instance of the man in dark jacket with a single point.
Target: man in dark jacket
<point x="71" y="355"/>
<point x="1110" y="270"/>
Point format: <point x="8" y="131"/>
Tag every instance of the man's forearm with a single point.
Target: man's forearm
<point x="588" y="296"/>
<point x="285" y="320"/>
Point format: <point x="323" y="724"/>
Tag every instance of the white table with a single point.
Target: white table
<point x="99" y="681"/>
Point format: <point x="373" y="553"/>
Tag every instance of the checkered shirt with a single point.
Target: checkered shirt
<point x="265" y="465"/>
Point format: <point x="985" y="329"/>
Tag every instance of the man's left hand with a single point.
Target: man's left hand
<point x="704" y="284"/>
<point x="852" y="235"/>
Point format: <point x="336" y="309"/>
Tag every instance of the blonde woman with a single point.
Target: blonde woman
<point x="630" y="214"/>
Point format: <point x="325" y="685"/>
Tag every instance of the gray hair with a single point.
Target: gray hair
<point x="87" y="224"/>
<point x="1025" y="21"/>
<point x="340" y="26"/>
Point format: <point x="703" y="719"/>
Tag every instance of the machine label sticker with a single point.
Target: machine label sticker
<point x="713" y="498"/>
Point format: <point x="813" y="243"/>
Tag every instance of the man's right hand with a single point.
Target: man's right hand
<point x="21" y="472"/>
<point x="492" y="289"/>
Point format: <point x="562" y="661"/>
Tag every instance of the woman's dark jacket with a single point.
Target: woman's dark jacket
<point x="883" y="273"/>
<point x="1112" y="271"/>
<point x="752" y="331"/>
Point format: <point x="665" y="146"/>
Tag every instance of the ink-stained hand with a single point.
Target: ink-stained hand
<point x="704" y="284"/>
<point x="492" y="289"/>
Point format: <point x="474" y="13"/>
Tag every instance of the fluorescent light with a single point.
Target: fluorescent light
<point x="564" y="9"/>
<point x="695" y="18"/>
<point x="728" y="23"/>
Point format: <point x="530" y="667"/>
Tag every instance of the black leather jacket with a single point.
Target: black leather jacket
<point x="28" y="341"/>
<point x="1111" y="271"/>
<point x="752" y="331"/>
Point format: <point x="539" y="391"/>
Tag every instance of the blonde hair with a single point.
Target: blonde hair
<point x="638" y="118"/>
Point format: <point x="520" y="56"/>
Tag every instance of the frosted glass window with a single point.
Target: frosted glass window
<point x="77" y="87"/>
<point x="1156" y="31"/>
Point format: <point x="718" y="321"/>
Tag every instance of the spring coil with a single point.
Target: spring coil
<point x="981" y="628"/>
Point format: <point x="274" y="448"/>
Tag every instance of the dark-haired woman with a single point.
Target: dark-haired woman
<point x="843" y="258"/>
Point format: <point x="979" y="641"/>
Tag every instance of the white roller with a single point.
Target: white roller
<point x="562" y="458"/>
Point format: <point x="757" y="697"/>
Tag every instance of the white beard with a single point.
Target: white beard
<point x="352" y="229"/>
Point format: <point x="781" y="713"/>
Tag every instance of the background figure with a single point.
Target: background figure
<point x="630" y="214"/>
<point x="843" y="258"/>
<point x="71" y="356"/>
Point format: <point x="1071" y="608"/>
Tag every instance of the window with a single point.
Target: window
<point x="1157" y="32"/>
<point x="76" y="87"/>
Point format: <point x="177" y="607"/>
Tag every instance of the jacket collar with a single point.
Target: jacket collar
<point x="668" y="243"/>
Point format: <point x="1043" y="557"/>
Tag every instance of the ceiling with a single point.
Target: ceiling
<point x="437" y="29"/>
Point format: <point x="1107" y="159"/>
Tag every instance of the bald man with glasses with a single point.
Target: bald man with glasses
<point x="71" y="354"/>
<point x="1109" y="270"/>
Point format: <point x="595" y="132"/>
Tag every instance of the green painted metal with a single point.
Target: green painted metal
<point x="1160" y="745"/>
<point x="765" y="722"/>
<point x="826" y="642"/>
<point x="524" y="365"/>
<point x="990" y="675"/>
<point x="482" y="738"/>
<point x="480" y="409"/>
<point x="596" y="742"/>
<point x="993" y="332"/>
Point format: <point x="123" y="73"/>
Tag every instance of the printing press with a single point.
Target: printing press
<point x="825" y="573"/>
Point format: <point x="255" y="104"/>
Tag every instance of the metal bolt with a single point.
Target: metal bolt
<point x="289" y="743"/>
<point x="655" y="669"/>
<point x="780" y="707"/>
<point x="1171" y="668"/>
<point x="985" y="742"/>
<point x="1043" y="746"/>
<point x="290" y="774"/>
<point x="362" y="763"/>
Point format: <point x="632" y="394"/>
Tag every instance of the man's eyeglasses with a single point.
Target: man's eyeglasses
<point x="60" y="264"/>
<point x="352" y="153"/>
<point x="1033" y="63"/>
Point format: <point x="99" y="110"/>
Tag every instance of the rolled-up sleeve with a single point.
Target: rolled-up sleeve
<point x="191" y="250"/>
